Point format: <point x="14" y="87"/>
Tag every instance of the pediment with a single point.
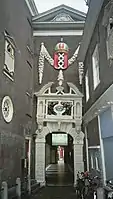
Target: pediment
<point x="60" y="13"/>
<point x="46" y="91"/>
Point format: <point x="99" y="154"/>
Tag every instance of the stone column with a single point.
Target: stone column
<point x="40" y="160"/>
<point x="78" y="154"/>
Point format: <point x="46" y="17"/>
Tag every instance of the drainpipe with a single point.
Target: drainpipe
<point x="102" y="153"/>
<point x="87" y="153"/>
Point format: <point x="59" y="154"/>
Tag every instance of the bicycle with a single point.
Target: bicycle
<point x="109" y="189"/>
<point x="80" y="185"/>
<point x="91" y="189"/>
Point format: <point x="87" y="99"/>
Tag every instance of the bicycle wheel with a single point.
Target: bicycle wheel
<point x="90" y="195"/>
<point x="83" y="193"/>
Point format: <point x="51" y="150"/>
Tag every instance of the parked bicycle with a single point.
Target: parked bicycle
<point x="109" y="189"/>
<point x="80" y="185"/>
<point x="87" y="186"/>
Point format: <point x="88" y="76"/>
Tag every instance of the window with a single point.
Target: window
<point x="95" y="62"/>
<point x="110" y="26"/>
<point x="29" y="104"/>
<point x="87" y="86"/>
<point x="9" y="58"/>
<point x="7" y="109"/>
<point x="109" y="41"/>
<point x="29" y="64"/>
<point x="30" y="50"/>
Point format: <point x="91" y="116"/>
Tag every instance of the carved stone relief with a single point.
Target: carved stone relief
<point x="78" y="138"/>
<point x="63" y="17"/>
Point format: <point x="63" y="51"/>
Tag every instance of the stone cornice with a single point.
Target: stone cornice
<point x="58" y="32"/>
<point x="55" y="25"/>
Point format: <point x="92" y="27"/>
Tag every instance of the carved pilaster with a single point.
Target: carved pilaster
<point x="40" y="154"/>
<point x="78" y="154"/>
<point x="40" y="159"/>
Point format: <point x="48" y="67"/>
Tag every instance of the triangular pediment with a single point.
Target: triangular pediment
<point x="60" y="13"/>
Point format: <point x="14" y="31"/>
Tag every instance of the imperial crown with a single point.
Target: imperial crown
<point x="61" y="47"/>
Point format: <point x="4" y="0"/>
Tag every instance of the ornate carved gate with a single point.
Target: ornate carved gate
<point x="58" y="111"/>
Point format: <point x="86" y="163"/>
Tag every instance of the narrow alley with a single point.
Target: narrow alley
<point x="59" y="179"/>
<point x="56" y="99"/>
<point x="59" y="175"/>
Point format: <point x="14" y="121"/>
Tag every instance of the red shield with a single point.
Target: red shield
<point x="60" y="61"/>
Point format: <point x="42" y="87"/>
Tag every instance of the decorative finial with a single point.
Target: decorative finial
<point x="81" y="71"/>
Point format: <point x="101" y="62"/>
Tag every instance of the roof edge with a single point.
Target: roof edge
<point x="32" y="7"/>
<point x="57" y="8"/>
<point x="62" y="22"/>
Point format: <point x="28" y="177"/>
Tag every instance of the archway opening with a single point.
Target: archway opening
<point x="59" y="159"/>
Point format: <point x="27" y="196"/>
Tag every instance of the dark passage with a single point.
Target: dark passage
<point x="59" y="175"/>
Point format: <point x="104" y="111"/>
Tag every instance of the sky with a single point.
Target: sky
<point x="44" y="5"/>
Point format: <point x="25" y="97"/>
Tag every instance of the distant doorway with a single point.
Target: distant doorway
<point x="60" y="155"/>
<point x="59" y="159"/>
<point x="60" y="151"/>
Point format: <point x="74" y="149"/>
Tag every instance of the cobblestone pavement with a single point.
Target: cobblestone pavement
<point x="59" y="181"/>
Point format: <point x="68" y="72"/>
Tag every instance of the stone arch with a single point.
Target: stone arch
<point x="46" y="130"/>
<point x="67" y="128"/>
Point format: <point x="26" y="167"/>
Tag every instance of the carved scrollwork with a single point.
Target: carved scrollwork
<point x="81" y="71"/>
<point x="78" y="129"/>
<point x="63" y="17"/>
<point x="40" y="126"/>
<point x="43" y="55"/>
